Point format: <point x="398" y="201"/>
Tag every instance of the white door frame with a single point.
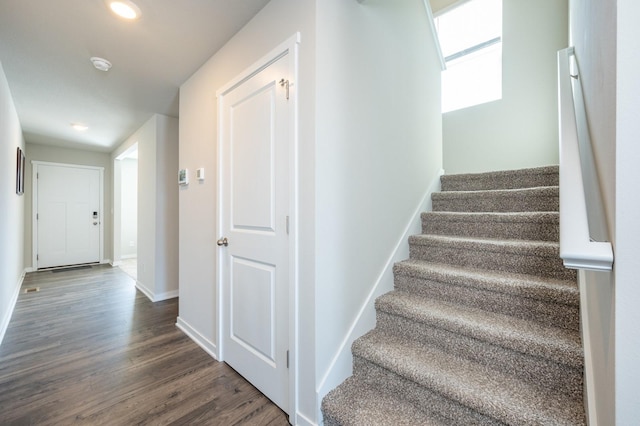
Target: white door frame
<point x="34" y="206"/>
<point x="290" y="47"/>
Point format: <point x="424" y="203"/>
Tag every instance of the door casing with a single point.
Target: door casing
<point x="290" y="47"/>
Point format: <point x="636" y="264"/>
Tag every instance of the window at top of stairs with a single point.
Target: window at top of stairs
<point x="470" y="36"/>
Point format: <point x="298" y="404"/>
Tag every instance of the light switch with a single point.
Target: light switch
<point x="200" y="174"/>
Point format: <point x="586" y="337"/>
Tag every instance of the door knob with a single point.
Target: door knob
<point x="223" y="242"/>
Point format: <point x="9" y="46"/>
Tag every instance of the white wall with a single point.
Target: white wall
<point x="129" y="207"/>
<point x="379" y="147"/>
<point x="11" y="207"/>
<point x="593" y="34"/>
<point x="157" y="205"/>
<point x="55" y="154"/>
<point x="370" y="145"/>
<point x="521" y="129"/>
<point x="627" y="196"/>
<point x="277" y="22"/>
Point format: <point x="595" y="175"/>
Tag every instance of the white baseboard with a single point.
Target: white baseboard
<point x="166" y="295"/>
<point x="207" y="345"/>
<point x="341" y="365"/>
<point x="156" y="297"/>
<point x="29" y="269"/>
<point x="105" y="261"/>
<point x="12" y="305"/>
<point x="145" y="290"/>
<point x="302" y="420"/>
<point x="116" y="263"/>
<point x="129" y="256"/>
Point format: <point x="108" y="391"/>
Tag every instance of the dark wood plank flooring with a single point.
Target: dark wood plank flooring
<point x="90" y="349"/>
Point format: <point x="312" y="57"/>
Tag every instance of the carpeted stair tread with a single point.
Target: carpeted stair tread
<point x="517" y="256"/>
<point x="557" y="344"/>
<point x="542" y="226"/>
<point x="483" y="327"/>
<point x="508" y="179"/>
<point x="487" y="391"/>
<point x="541" y="372"/>
<point x="523" y="285"/>
<point x="543" y="198"/>
<point x="528" y="297"/>
<point x="356" y="403"/>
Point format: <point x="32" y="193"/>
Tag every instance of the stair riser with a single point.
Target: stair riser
<point x="547" y="313"/>
<point x="502" y="180"/>
<point x="520" y="263"/>
<point x="488" y="203"/>
<point x="533" y="369"/>
<point x="428" y="400"/>
<point x="541" y="231"/>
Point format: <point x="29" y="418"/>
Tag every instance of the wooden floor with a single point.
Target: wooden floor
<point x="90" y="349"/>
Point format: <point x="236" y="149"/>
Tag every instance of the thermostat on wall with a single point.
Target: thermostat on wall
<point x="183" y="177"/>
<point x="200" y="174"/>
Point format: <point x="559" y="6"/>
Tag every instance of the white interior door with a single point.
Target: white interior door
<point x="254" y="164"/>
<point x="68" y="215"/>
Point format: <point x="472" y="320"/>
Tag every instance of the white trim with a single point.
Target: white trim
<point x="4" y="325"/>
<point x="302" y="420"/>
<point x="144" y="290"/>
<point x="434" y="33"/>
<point x="165" y="296"/>
<point x="589" y="366"/>
<point x="207" y="345"/>
<point x="156" y="297"/>
<point x="288" y="47"/>
<point x="34" y="207"/>
<point x="341" y="364"/>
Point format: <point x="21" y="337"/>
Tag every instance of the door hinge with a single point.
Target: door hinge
<point x="37" y="257"/>
<point x="37" y="175"/>
<point x="285" y="83"/>
<point x="287" y="225"/>
<point x="37" y="216"/>
<point x="287" y="358"/>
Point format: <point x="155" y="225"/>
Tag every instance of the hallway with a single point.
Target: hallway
<point x="87" y="348"/>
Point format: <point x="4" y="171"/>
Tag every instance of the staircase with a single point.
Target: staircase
<point x="483" y="325"/>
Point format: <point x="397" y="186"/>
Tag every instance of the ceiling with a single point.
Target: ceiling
<point x="45" y="51"/>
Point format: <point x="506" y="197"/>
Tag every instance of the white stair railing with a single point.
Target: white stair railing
<point x="577" y="248"/>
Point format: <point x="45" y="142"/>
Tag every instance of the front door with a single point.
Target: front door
<point x="68" y="215"/>
<point x="254" y="212"/>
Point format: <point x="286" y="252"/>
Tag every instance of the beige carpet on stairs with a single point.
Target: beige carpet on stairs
<point x="483" y="325"/>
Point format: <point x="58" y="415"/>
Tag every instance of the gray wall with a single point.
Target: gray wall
<point x="11" y="206"/>
<point x="521" y="129"/>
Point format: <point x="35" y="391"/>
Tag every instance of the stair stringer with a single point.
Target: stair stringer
<point x="342" y="362"/>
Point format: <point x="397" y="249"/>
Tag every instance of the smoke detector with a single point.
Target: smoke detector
<point x="101" y="63"/>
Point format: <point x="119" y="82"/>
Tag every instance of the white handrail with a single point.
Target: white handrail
<point x="577" y="250"/>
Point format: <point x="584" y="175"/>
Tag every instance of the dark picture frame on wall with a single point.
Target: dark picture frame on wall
<point x="20" y="166"/>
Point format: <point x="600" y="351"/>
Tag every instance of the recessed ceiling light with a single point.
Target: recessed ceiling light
<point x="124" y="8"/>
<point x="101" y="63"/>
<point x="79" y="127"/>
